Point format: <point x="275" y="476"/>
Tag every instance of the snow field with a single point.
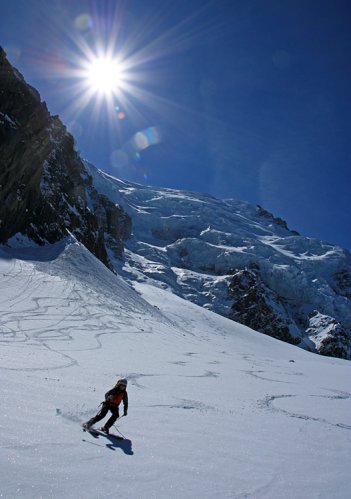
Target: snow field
<point x="216" y="409"/>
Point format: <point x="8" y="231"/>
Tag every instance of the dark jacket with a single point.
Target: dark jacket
<point x="115" y="396"/>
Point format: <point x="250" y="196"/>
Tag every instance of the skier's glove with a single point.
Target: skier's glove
<point x="125" y="413"/>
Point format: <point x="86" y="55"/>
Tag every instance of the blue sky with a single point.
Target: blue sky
<point x="241" y="99"/>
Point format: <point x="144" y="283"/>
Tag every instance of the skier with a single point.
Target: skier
<point x="113" y="398"/>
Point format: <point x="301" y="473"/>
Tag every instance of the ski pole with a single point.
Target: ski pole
<point x="119" y="430"/>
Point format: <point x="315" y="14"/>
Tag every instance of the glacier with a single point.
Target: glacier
<point x="194" y="243"/>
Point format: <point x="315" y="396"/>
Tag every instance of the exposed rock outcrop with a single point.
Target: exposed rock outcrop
<point x="45" y="189"/>
<point x="329" y="336"/>
<point x="258" y="307"/>
<point x="277" y="220"/>
<point x="343" y="283"/>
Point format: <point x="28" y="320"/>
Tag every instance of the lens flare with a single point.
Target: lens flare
<point x="75" y="129"/>
<point x="119" y="159"/>
<point x="145" y="138"/>
<point x="83" y="22"/>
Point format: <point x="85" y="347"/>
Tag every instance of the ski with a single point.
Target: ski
<point x="96" y="432"/>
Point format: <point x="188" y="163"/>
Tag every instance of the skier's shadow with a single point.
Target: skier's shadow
<point x="116" y="443"/>
<point x="125" y="444"/>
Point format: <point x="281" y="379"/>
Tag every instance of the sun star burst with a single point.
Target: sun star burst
<point x="104" y="75"/>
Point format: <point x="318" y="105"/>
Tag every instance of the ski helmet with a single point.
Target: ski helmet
<point x="122" y="382"/>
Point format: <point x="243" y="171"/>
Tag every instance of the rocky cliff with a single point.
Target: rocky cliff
<point x="45" y="190"/>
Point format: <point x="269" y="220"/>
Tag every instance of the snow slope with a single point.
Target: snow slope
<point x="194" y="243"/>
<point x="216" y="409"/>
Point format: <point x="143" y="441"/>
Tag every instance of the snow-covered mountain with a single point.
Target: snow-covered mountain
<point x="215" y="409"/>
<point x="225" y="255"/>
<point x="237" y="260"/>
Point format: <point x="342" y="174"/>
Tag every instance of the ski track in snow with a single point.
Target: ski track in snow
<point x="269" y="403"/>
<point x="37" y="320"/>
<point x="18" y="322"/>
<point x="200" y="386"/>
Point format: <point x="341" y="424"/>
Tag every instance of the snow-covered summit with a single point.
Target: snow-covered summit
<point x="198" y="246"/>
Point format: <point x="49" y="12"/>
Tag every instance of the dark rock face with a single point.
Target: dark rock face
<point x="45" y="190"/>
<point x="343" y="283"/>
<point x="258" y="307"/>
<point x="277" y="220"/>
<point x="330" y="337"/>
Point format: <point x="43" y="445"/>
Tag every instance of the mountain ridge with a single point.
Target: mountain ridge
<point x="225" y="255"/>
<point x="237" y="260"/>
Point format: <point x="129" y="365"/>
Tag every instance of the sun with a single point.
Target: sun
<point x="104" y="75"/>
